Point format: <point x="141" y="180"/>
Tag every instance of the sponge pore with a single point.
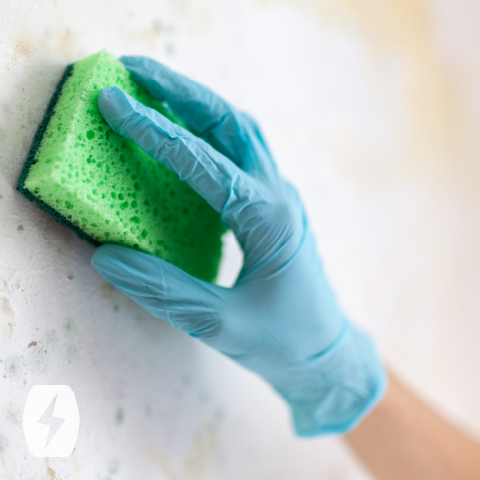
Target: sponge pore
<point x="105" y="187"/>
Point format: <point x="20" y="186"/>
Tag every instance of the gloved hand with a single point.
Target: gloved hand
<point x="280" y="319"/>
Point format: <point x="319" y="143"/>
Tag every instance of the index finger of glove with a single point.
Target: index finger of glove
<point x="212" y="117"/>
<point x="208" y="172"/>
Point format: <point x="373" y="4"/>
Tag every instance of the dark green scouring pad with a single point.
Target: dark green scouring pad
<point x="106" y="188"/>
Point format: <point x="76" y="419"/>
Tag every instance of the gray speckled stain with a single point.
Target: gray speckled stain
<point x="119" y="415"/>
<point x="69" y="325"/>
<point x="13" y="366"/>
<point x="70" y="350"/>
<point x="3" y="445"/>
<point x="71" y="353"/>
<point x="39" y="355"/>
<point x="15" y="416"/>
<point x="7" y="309"/>
<point x="111" y="294"/>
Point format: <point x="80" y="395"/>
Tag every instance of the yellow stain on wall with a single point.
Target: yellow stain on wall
<point x="434" y="153"/>
<point x="198" y="457"/>
<point x="434" y="122"/>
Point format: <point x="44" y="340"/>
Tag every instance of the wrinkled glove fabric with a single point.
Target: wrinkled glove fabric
<point x="280" y="319"/>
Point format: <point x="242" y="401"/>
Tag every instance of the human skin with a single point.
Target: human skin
<point x="403" y="438"/>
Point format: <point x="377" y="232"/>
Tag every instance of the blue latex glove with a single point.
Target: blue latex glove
<point x="281" y="319"/>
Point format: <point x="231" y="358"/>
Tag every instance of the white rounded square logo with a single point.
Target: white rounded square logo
<point x="51" y="421"/>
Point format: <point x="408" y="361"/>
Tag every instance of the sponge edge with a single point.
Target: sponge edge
<point x="105" y="187"/>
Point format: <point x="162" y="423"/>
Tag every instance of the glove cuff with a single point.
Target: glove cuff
<point x="336" y="403"/>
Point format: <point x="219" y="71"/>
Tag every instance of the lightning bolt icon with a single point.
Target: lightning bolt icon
<point x="54" y="423"/>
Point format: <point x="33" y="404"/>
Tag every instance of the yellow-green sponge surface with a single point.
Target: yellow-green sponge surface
<point x="106" y="187"/>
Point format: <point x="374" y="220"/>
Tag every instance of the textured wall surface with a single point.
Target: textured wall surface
<point x="372" y="108"/>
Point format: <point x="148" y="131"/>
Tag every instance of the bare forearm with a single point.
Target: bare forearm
<point x="403" y="438"/>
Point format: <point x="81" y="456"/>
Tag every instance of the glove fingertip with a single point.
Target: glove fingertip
<point x="133" y="60"/>
<point x="127" y="59"/>
<point x="101" y="257"/>
<point x="141" y="67"/>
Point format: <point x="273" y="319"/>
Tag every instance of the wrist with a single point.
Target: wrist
<point x="345" y="382"/>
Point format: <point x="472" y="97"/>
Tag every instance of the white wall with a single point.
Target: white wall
<point x="372" y="108"/>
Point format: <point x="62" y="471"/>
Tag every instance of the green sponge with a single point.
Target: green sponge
<point x="105" y="187"/>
